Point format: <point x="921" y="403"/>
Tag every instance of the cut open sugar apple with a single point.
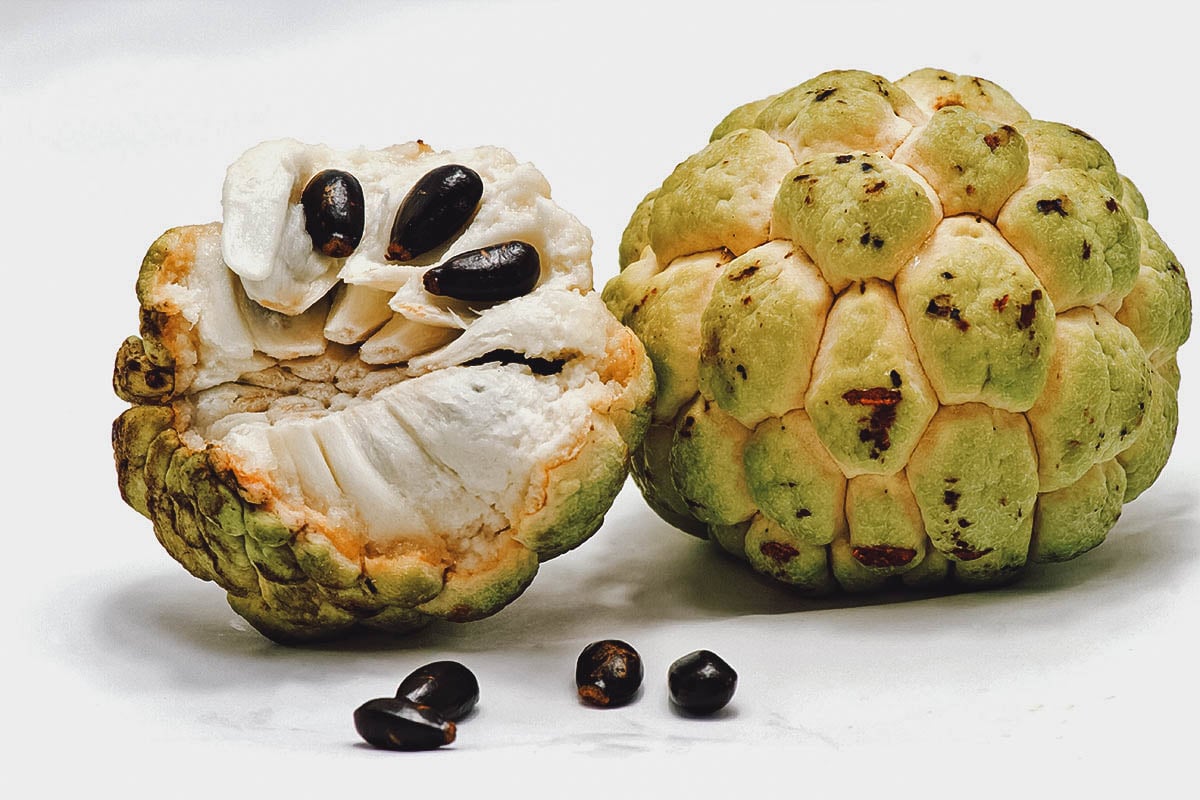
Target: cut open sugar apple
<point x="340" y="439"/>
<point x="902" y="333"/>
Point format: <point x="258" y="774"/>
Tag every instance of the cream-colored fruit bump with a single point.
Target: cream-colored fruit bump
<point x="981" y="321"/>
<point x="774" y="293"/>
<point x="869" y="399"/>
<point x="858" y="216"/>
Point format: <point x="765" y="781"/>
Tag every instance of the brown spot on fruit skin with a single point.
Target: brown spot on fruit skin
<point x="685" y="430"/>
<point x="1054" y="206"/>
<point x="967" y="553"/>
<point x="1087" y="249"/>
<point x="824" y="95"/>
<point x="1112" y="205"/>
<point x="844" y="159"/>
<point x="868" y="239"/>
<point x="876" y="187"/>
<point x="895" y="376"/>
<point x="951" y="499"/>
<point x="876" y="396"/>
<point x="778" y="551"/>
<point x="744" y="273"/>
<point x="882" y="555"/>
<point x="940" y="306"/>
<point x="999" y="137"/>
<point x="1029" y="310"/>
<point x="801" y="513"/>
<point x="883" y="402"/>
<point x="1000" y="303"/>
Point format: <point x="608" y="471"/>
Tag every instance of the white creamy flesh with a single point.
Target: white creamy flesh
<point x="232" y="335"/>
<point x="264" y="240"/>
<point x="450" y="453"/>
<point x="356" y="404"/>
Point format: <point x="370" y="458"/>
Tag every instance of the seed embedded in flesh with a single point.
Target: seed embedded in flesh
<point x="435" y="209"/>
<point x="701" y="682"/>
<point x="392" y="724"/>
<point x="333" y="212"/>
<point x="500" y="272"/>
<point x="608" y="673"/>
<point x="448" y="687"/>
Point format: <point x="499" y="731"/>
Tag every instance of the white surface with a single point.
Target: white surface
<point x="125" y="673"/>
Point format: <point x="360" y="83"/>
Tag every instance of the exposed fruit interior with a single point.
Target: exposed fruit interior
<point x="350" y="403"/>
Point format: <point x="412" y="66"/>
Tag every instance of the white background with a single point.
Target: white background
<point x="124" y="673"/>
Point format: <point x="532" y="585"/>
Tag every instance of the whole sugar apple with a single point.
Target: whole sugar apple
<point x="902" y="332"/>
<point x="380" y="393"/>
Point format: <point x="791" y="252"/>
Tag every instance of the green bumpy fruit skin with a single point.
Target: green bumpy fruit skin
<point x="952" y="354"/>
<point x="295" y="585"/>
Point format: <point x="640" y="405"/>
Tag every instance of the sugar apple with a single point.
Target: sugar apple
<point x="903" y="333"/>
<point x="381" y="392"/>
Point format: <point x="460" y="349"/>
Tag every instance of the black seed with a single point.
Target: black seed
<point x="608" y="673"/>
<point x="500" y="272"/>
<point x="701" y="682"/>
<point x="538" y="366"/>
<point x="392" y="724"/>
<point x="333" y="212"/>
<point x="435" y="209"/>
<point x="448" y="687"/>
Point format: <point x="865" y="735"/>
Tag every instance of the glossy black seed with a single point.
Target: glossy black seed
<point x="435" y="209"/>
<point x="701" y="682"/>
<point x="333" y="212"/>
<point x="392" y="724"/>
<point x="448" y="687"/>
<point x="608" y="673"/>
<point x="500" y="272"/>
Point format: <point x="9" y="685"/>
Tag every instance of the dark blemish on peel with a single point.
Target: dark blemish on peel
<point x="1054" y="206"/>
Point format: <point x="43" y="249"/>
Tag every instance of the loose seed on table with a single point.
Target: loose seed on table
<point x="333" y="212"/>
<point x="701" y="682"/>
<point x="608" y="673"/>
<point x="392" y="724"/>
<point x="435" y="209"/>
<point x="499" y="272"/>
<point x="447" y="687"/>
